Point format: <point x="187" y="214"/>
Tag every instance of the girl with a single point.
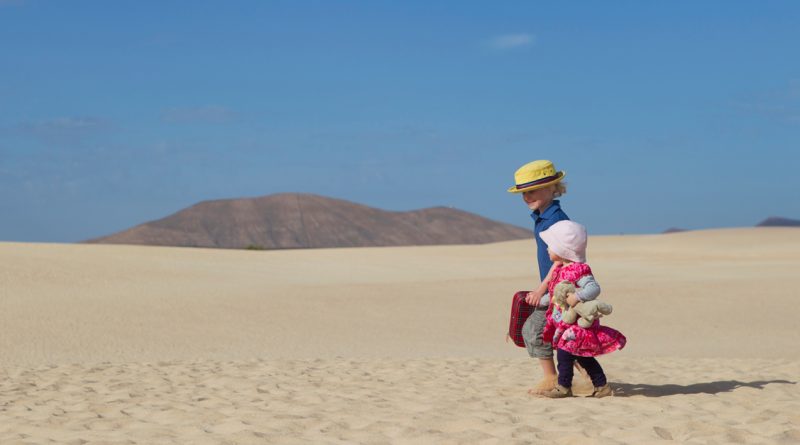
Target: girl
<point x="566" y="246"/>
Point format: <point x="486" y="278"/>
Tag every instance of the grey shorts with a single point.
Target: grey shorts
<point x="532" y="334"/>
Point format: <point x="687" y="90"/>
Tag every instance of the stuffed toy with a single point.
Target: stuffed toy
<point x="585" y="312"/>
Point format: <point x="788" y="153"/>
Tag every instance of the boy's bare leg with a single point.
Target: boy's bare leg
<point x="549" y="378"/>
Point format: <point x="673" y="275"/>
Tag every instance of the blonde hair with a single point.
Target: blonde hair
<point x="560" y="189"/>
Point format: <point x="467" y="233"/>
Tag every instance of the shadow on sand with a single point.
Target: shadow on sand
<point x="641" y="389"/>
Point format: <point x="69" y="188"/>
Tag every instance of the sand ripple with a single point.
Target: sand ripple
<point x="445" y="401"/>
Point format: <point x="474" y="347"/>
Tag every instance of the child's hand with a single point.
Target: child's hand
<point x="533" y="298"/>
<point x="572" y="299"/>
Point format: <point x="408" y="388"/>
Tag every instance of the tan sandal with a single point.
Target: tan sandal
<point x="602" y="391"/>
<point x="559" y="392"/>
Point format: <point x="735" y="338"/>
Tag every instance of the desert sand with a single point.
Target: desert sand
<point x="149" y="345"/>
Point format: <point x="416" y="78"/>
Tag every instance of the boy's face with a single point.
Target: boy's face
<point x="539" y="199"/>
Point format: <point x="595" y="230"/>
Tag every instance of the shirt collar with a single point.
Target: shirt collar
<point x="549" y="211"/>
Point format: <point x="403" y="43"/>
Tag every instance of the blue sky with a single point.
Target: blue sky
<point x="663" y="114"/>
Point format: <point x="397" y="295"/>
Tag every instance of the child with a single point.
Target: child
<point x="540" y="185"/>
<point x="566" y="246"/>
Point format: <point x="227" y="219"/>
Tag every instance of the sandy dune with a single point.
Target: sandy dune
<point x="125" y="344"/>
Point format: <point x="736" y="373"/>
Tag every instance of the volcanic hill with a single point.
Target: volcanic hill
<point x="777" y="221"/>
<point x="292" y="221"/>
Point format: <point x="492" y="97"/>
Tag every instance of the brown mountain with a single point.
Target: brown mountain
<point x="289" y="221"/>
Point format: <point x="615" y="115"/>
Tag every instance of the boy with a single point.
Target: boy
<point x="540" y="185"/>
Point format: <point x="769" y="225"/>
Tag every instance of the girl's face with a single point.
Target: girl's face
<point x="553" y="256"/>
<point x="539" y="199"/>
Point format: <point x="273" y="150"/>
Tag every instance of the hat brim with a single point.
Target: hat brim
<point x="559" y="176"/>
<point x="560" y="250"/>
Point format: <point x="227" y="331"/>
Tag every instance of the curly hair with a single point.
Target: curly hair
<point x="561" y="188"/>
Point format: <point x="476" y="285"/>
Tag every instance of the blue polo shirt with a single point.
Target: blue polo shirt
<point x="551" y="215"/>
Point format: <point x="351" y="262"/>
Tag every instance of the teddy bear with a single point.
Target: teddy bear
<point x="585" y="312"/>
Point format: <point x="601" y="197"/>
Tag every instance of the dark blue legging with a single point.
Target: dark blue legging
<point x="566" y="362"/>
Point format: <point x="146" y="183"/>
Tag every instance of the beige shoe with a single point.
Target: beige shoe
<point x="602" y="391"/>
<point x="559" y="392"/>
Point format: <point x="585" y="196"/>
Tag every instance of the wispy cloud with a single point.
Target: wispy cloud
<point x="69" y="123"/>
<point x="781" y="104"/>
<point x="206" y="114"/>
<point x="511" y="41"/>
<point x="64" y="129"/>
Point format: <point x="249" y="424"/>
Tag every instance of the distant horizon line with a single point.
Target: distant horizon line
<point x="418" y="245"/>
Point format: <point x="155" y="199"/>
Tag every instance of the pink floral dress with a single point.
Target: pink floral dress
<point x="585" y="342"/>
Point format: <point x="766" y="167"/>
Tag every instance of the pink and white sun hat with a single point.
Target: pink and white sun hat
<point x="567" y="239"/>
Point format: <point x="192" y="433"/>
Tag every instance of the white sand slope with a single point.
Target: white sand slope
<point x="122" y="344"/>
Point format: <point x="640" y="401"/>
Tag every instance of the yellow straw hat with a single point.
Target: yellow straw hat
<point x="535" y="175"/>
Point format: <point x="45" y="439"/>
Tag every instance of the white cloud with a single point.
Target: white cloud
<point x="510" y="41"/>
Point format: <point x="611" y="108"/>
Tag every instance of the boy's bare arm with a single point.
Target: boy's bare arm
<point x="533" y="297"/>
